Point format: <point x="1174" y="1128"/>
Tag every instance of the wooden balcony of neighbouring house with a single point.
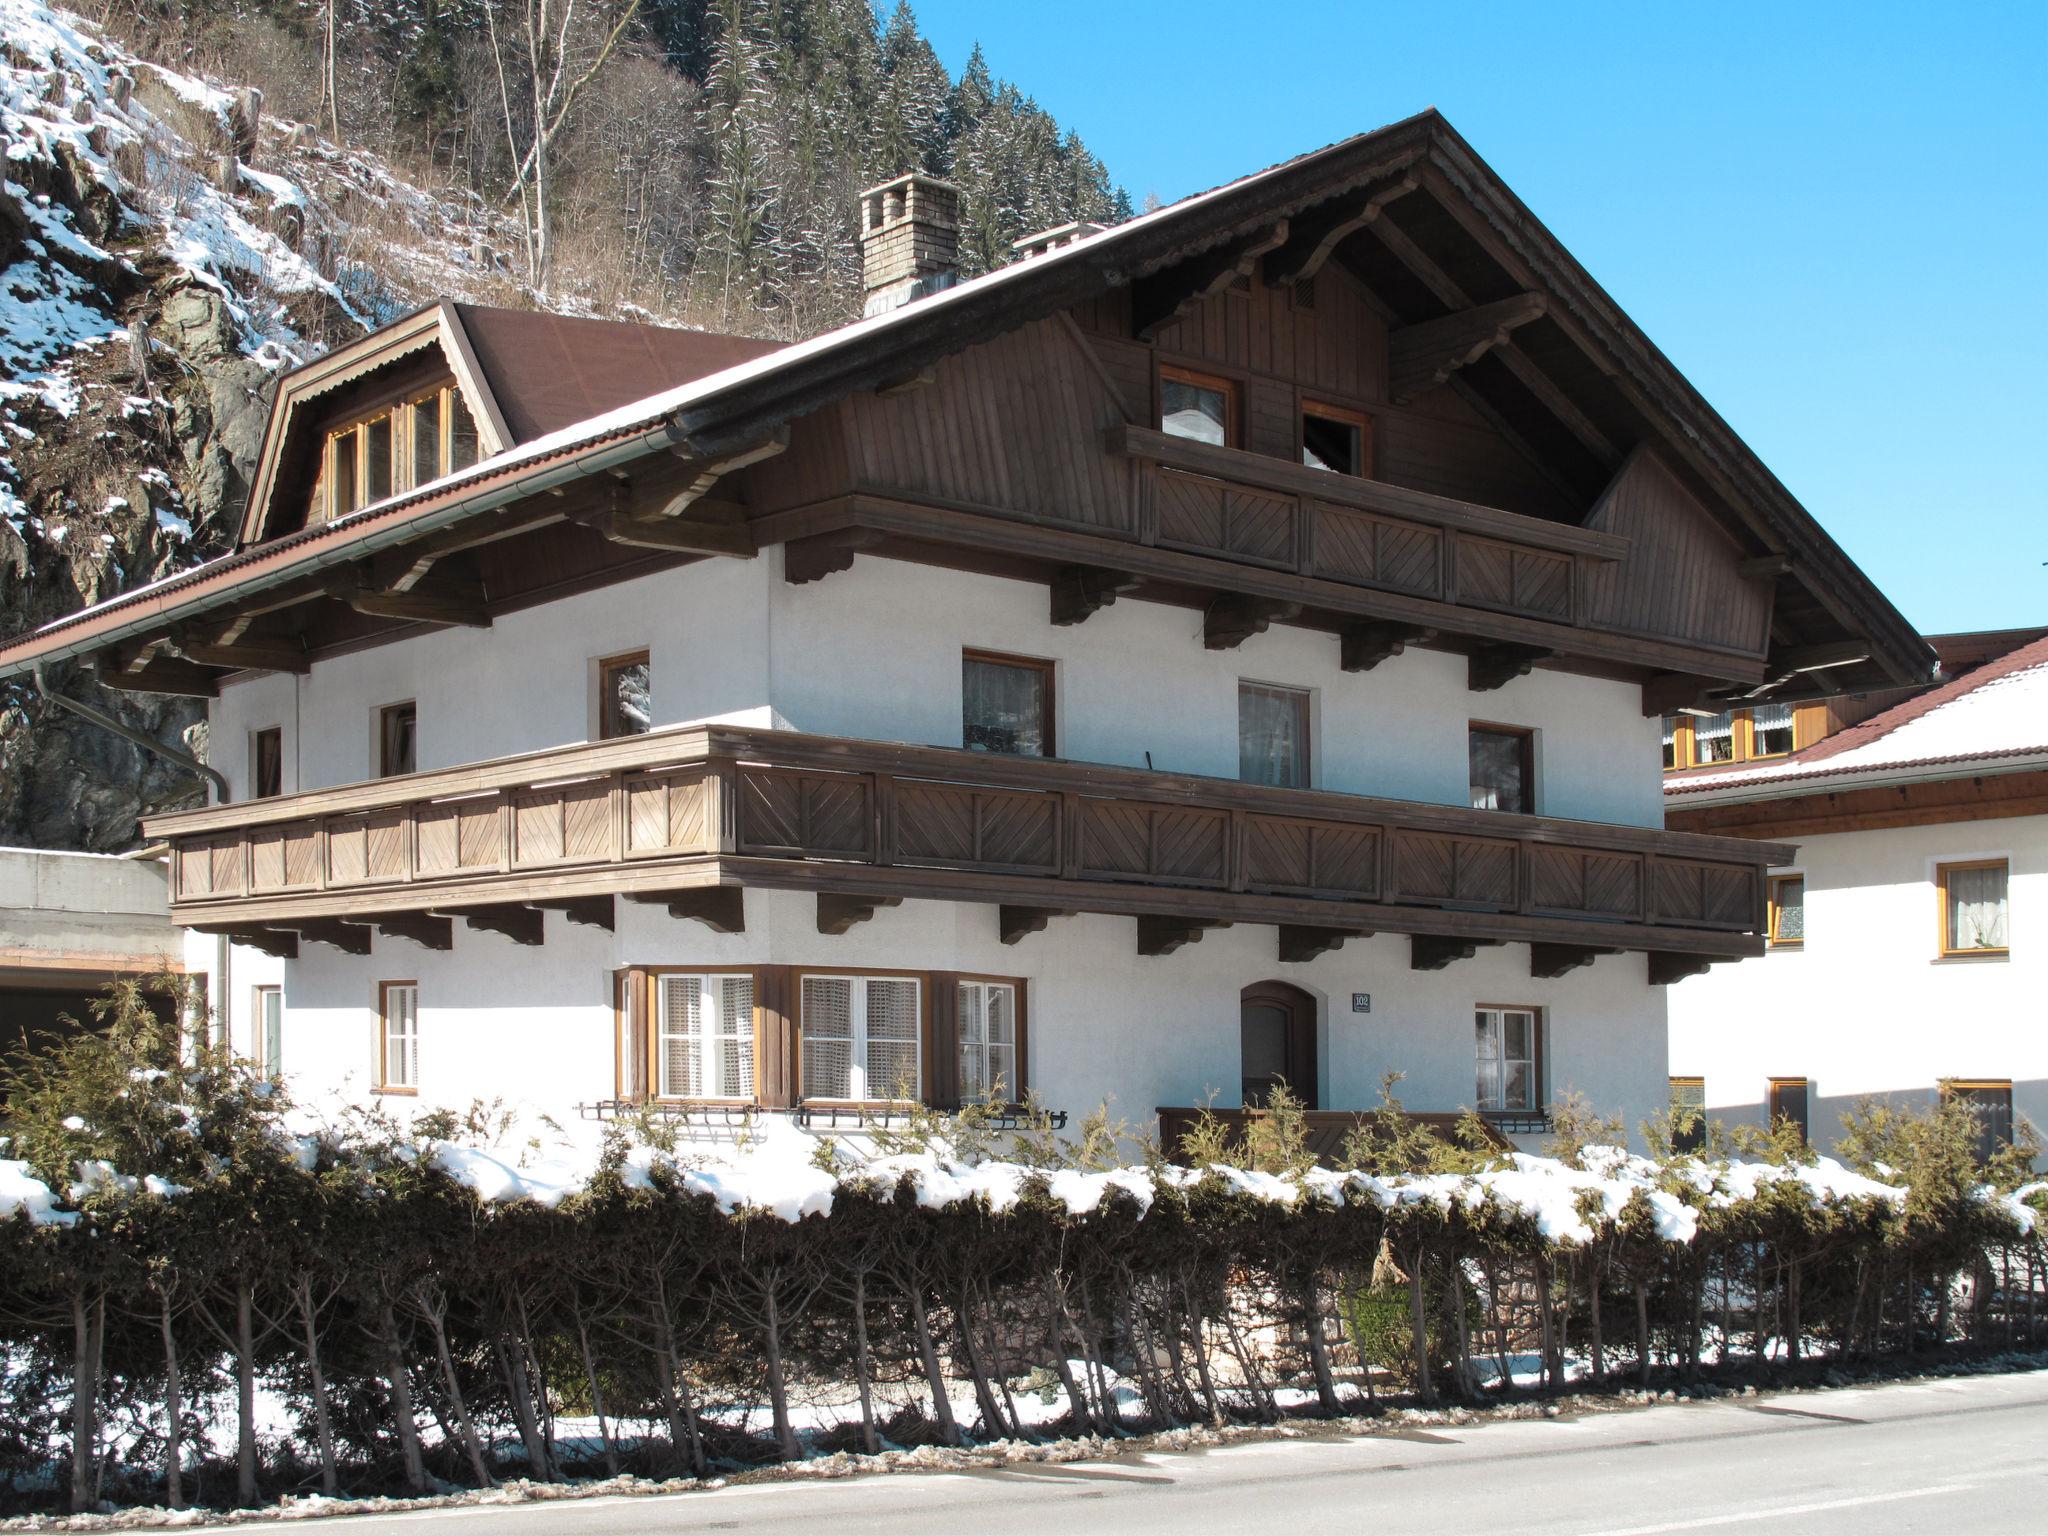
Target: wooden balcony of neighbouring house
<point x="1328" y="1131"/>
<point x="691" y="818"/>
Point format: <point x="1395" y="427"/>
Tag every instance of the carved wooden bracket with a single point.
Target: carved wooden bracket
<point x="591" y="911"/>
<point x="822" y="554"/>
<point x="721" y="908"/>
<point x="1367" y="644"/>
<point x="515" y="920"/>
<point x="1313" y="236"/>
<point x="1420" y="357"/>
<point x="704" y="471"/>
<point x="1081" y="590"/>
<point x="1495" y="666"/>
<point x="275" y="942"/>
<point x="160" y="674"/>
<point x="285" y="653"/>
<point x="1434" y="951"/>
<point x="434" y="599"/>
<point x="1234" y="617"/>
<point x="1550" y="961"/>
<point x="1162" y="298"/>
<point x="1299" y="943"/>
<point x="837" y="912"/>
<point x="1013" y="922"/>
<point x="1163" y="935"/>
<point x="1667" y="967"/>
<point x="425" y="929"/>
<point x="349" y="938"/>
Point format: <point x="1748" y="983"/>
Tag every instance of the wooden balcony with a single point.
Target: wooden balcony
<point x="690" y="816"/>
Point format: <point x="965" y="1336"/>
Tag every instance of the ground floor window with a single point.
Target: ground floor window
<point x="1788" y="1102"/>
<point x="1509" y="1044"/>
<point x="267" y="1026"/>
<point x="988" y="1042"/>
<point x="1688" y="1114"/>
<point x="861" y="1037"/>
<point x="1991" y="1104"/>
<point x="704" y="1037"/>
<point x="398" y="1036"/>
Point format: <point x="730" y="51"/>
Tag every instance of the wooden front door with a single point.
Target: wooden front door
<point x="1277" y="1026"/>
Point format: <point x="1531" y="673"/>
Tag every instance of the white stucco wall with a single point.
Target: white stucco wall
<point x="1866" y="1005"/>
<point x="535" y="1025"/>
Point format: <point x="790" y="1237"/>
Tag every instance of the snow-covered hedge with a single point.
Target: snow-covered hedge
<point x="187" y="1255"/>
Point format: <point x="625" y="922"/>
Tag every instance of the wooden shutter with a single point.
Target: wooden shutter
<point x="631" y="1009"/>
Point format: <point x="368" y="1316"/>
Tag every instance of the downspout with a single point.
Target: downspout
<point x="107" y="722"/>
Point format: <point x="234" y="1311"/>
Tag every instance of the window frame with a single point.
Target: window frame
<point x="1018" y="1031"/>
<point x="1695" y="1139"/>
<point x="1772" y="907"/>
<point x="1044" y="666"/>
<point x="264" y="1059"/>
<point x="1527" y="737"/>
<point x="256" y="743"/>
<point x="385" y="1083"/>
<point x="1329" y="410"/>
<point x="1539" y="1053"/>
<point x="655" y="978"/>
<point x="381" y="739"/>
<point x="1307" y="697"/>
<point x="857" y="1038"/>
<point x="1741" y="738"/>
<point x="1773" y="1114"/>
<point x="1230" y="388"/>
<point x="398" y="409"/>
<point x="1949" y="1086"/>
<point x="1942" y="870"/>
<point x="607" y="696"/>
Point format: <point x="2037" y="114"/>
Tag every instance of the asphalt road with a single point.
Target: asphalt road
<point x="1951" y="1456"/>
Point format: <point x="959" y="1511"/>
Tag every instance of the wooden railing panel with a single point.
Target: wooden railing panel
<point x="824" y="815"/>
<point x="1166" y="844"/>
<point x="1291" y="856"/>
<point x="1581" y="882"/>
<point x="1444" y="868"/>
<point x="959" y="827"/>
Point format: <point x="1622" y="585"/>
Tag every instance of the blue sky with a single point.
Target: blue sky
<point x="1832" y="218"/>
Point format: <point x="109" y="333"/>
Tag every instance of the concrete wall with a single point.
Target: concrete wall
<point x="1866" y="1005"/>
<point x="84" y="910"/>
<point x="535" y="1025"/>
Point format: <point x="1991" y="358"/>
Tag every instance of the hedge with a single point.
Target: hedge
<point x="183" y="1249"/>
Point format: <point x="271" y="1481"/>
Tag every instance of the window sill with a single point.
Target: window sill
<point x="1794" y="945"/>
<point x="1972" y="954"/>
<point x="396" y="1093"/>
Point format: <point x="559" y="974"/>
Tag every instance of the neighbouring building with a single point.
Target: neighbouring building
<point x="1222" y="649"/>
<point x="1905" y="936"/>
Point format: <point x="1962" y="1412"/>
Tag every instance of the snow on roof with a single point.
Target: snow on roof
<point x="1998" y="710"/>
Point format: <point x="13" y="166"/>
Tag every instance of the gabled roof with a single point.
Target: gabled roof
<point x="1995" y="714"/>
<point x="1482" y="239"/>
<point x="524" y="373"/>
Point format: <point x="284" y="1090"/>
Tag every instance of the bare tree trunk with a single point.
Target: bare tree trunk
<point x="928" y="1354"/>
<point x="512" y="1362"/>
<point x="245" y="1394"/>
<point x="174" y="1412"/>
<point x="778" y="1390"/>
<point x="401" y="1401"/>
<point x="863" y="1364"/>
<point x="1062" y="1324"/>
<point x="323" y="1427"/>
<point x="1318" y="1346"/>
<point x="675" y="1387"/>
<point x="465" y="1431"/>
<point x="88" y="1335"/>
<point x="1642" y="1293"/>
<point x="1418" y="1323"/>
<point x="1201" y="1352"/>
<point x="604" y="1429"/>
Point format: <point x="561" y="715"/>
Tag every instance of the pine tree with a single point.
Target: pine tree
<point x="740" y="115"/>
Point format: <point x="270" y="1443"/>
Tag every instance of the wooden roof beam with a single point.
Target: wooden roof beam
<point x="1313" y="237"/>
<point x="425" y="929"/>
<point x="1234" y="617"/>
<point x="1365" y="645"/>
<point x="1013" y="922"/>
<point x="278" y="943"/>
<point x="721" y="908"/>
<point x="823" y="554"/>
<point x="433" y="599"/>
<point x="1669" y="693"/>
<point x="1159" y="934"/>
<point x="1434" y="951"/>
<point x="704" y="472"/>
<point x="1420" y="357"/>
<point x="514" y="920"/>
<point x="1495" y="666"/>
<point x="1554" y="400"/>
<point x="158" y="674"/>
<point x="840" y="911"/>
<point x="282" y="653"/>
<point x="349" y="938"/>
<point x="1162" y="298"/>
<point x="1667" y="967"/>
<point x="1300" y="943"/>
<point x="591" y="911"/>
<point x="1079" y="591"/>
<point x="1549" y="961"/>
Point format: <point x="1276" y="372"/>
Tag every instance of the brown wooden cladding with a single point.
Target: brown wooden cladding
<point x="502" y="831"/>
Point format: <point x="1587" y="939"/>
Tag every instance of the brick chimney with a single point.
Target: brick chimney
<point x="909" y="241"/>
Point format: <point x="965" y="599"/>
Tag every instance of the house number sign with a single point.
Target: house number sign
<point x="1361" y="1002"/>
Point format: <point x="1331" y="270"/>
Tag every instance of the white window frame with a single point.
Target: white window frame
<point x="1501" y="1061"/>
<point x="260" y="1051"/>
<point x="858" y="1089"/>
<point x="407" y="1078"/>
<point x="979" y="1046"/>
<point x="708" y="1033"/>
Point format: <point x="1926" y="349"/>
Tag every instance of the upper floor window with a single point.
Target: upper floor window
<point x="393" y="449"/>
<point x="704" y="1037"/>
<point x="1503" y="763"/>
<point x="1335" y="439"/>
<point x="266" y="762"/>
<point x="1973" y="907"/>
<point x="1272" y="735"/>
<point x="1198" y="405"/>
<point x="1788" y="1101"/>
<point x="1787" y="911"/>
<point x="1735" y="736"/>
<point x="1508" y="1042"/>
<point x="861" y="1037"/>
<point x="625" y="703"/>
<point x="1006" y="704"/>
<point x="397" y="739"/>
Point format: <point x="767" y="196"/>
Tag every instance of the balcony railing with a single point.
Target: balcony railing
<point x="729" y="806"/>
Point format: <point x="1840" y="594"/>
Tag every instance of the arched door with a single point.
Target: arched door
<point x="1277" y="1028"/>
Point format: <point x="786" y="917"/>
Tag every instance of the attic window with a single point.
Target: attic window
<point x="394" y="449"/>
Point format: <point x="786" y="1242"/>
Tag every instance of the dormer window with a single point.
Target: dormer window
<point x="396" y="448"/>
